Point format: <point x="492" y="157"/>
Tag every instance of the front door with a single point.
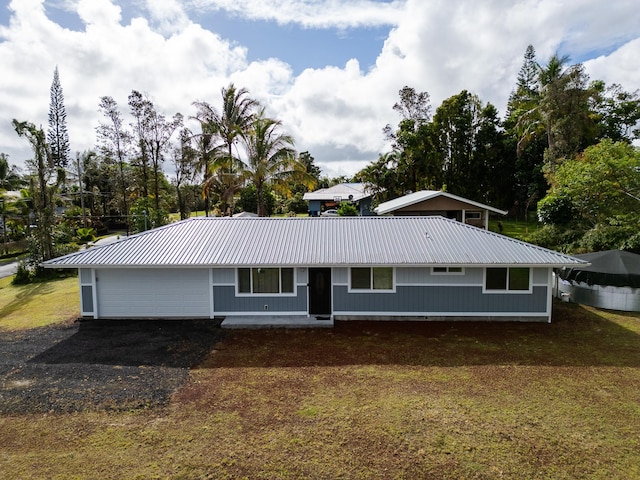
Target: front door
<point x="320" y="291"/>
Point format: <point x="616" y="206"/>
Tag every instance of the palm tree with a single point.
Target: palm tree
<point x="271" y="159"/>
<point x="220" y="132"/>
<point x="560" y="110"/>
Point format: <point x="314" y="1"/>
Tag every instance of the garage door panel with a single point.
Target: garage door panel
<point x="153" y="293"/>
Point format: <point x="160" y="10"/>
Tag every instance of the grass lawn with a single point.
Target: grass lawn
<point x="37" y="304"/>
<point x="519" y="229"/>
<point x="371" y="400"/>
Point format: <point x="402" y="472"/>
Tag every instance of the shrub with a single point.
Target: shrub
<point x="606" y="237"/>
<point x="347" y="209"/>
<point x="556" y="209"/>
<point x="22" y="276"/>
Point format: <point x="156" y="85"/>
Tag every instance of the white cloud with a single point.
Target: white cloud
<point x="311" y="13"/>
<point x="620" y="67"/>
<point x="337" y="113"/>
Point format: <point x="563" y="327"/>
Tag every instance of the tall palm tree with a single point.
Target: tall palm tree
<point x="220" y="131"/>
<point x="271" y="159"/>
<point x="558" y="110"/>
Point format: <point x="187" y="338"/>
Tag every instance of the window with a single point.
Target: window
<point x="508" y="279"/>
<point x="447" y="270"/>
<point x="473" y="215"/>
<point x="372" y="278"/>
<point x="265" y="280"/>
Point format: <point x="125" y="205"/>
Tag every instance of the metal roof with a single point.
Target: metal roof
<point x="423" y="195"/>
<point x="345" y="191"/>
<point x="231" y="242"/>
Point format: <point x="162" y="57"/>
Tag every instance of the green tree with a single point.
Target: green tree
<point x="45" y="181"/>
<point x="271" y="159"/>
<point x="184" y="159"/>
<point x="602" y="183"/>
<point x="9" y="179"/>
<point x="114" y="142"/>
<point x="616" y="112"/>
<point x="57" y="135"/>
<point x="222" y="130"/>
<point x="560" y="112"/>
<point x="153" y="133"/>
<point x="469" y="141"/>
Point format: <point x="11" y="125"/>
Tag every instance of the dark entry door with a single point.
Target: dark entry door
<point x="319" y="291"/>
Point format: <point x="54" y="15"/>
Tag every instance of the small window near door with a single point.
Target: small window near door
<point x="378" y="279"/>
<point x="473" y="215"/>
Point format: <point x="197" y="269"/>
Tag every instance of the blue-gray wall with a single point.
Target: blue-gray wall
<point x="439" y="300"/>
<point x="226" y="301"/>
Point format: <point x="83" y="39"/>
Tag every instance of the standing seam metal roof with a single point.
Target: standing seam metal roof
<point x="207" y="241"/>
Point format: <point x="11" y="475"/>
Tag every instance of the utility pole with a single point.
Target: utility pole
<point x="84" y="216"/>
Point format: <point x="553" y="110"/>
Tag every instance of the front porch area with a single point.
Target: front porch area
<point x="276" y="321"/>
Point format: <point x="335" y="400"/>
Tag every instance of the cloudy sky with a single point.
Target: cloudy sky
<point x="329" y="69"/>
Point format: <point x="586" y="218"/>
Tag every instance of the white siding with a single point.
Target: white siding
<point x="153" y="293"/>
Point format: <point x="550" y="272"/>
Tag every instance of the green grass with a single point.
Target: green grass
<point x="519" y="229"/>
<point x="372" y="400"/>
<point x="37" y="304"/>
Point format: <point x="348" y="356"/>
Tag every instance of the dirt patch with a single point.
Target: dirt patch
<point x="98" y="365"/>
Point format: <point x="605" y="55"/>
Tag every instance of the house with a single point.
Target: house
<point x="337" y="268"/>
<point x="435" y="202"/>
<point x="330" y="198"/>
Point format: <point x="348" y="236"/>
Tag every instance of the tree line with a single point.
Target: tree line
<point x="564" y="147"/>
<point x="238" y="158"/>
<point x="562" y="136"/>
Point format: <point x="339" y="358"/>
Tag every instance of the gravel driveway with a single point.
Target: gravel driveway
<point x="98" y="365"/>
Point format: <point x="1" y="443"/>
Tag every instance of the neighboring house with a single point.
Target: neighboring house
<point x="330" y="198"/>
<point x="435" y="202"/>
<point x="425" y="268"/>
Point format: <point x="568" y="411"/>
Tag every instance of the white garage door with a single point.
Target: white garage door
<point x="153" y="293"/>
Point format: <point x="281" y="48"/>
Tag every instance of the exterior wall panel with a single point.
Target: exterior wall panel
<point x="440" y="300"/>
<point x="226" y="302"/>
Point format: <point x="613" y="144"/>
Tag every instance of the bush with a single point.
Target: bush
<point x="556" y="209"/>
<point x="296" y="204"/>
<point x="556" y="238"/>
<point x="606" y="237"/>
<point x="22" y="276"/>
<point x="347" y="209"/>
<point x="86" y="235"/>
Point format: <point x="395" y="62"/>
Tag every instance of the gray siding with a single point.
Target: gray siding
<point x="439" y="300"/>
<point x="226" y="301"/>
<point x="224" y="276"/>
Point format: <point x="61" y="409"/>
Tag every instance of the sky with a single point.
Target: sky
<point x="330" y="70"/>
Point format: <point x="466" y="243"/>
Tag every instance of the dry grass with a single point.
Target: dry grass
<point x="429" y="400"/>
<point x="37" y="304"/>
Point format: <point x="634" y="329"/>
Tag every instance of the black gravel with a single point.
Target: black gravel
<point x="100" y="365"/>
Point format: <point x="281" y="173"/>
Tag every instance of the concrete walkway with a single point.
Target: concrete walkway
<point x="269" y="321"/>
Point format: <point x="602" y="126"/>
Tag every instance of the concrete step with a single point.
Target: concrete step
<point x="275" y="321"/>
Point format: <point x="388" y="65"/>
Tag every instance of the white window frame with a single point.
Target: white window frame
<point x="506" y="290"/>
<point x="473" y="215"/>
<point x="447" y="271"/>
<point x="372" y="290"/>
<point x="253" y="294"/>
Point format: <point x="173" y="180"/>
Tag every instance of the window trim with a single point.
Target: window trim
<point x="254" y="294"/>
<point x="507" y="290"/>
<point x="473" y="215"/>
<point x="448" y="271"/>
<point x="372" y="290"/>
